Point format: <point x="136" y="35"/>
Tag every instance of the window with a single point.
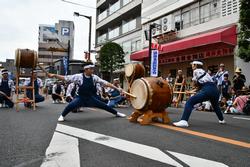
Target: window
<point x="126" y="47"/>
<point x="195" y="16"/>
<point x="102" y="15"/>
<point x="102" y="38"/>
<point x="186" y="19"/>
<point x="205" y="13"/>
<point x="136" y="45"/>
<point x="125" y="2"/>
<point x="114" y="7"/>
<point x="177" y="22"/>
<point x="129" y="26"/>
<point x="114" y="33"/>
<point x="215" y="9"/>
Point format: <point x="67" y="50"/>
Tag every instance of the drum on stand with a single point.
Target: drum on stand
<point x="26" y="58"/>
<point x="134" y="71"/>
<point x="151" y="93"/>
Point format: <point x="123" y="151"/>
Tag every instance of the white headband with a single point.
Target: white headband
<point x="197" y="62"/>
<point x="89" y="66"/>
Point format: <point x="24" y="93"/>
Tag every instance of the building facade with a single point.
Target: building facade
<point x="189" y="30"/>
<point x="119" y="21"/>
<point x="55" y="42"/>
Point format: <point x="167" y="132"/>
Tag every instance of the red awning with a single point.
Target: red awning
<point x="225" y="35"/>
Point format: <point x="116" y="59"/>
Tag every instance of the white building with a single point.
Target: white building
<point x="55" y="42"/>
<point x="190" y="30"/>
<point x="119" y="21"/>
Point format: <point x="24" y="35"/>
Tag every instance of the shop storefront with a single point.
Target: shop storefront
<point x="212" y="48"/>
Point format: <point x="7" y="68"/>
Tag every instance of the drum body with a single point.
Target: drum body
<point x="151" y="94"/>
<point x="26" y="58"/>
<point x="134" y="71"/>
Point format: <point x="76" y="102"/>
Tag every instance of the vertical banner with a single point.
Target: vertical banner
<point x="154" y="63"/>
<point x="65" y="65"/>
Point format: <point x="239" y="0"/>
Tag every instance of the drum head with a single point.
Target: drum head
<point x="140" y="90"/>
<point x="129" y="70"/>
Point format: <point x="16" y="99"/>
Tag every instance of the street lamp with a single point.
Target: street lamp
<point x="90" y="24"/>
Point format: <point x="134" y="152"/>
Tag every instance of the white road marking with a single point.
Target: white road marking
<point x="242" y="118"/>
<point x="120" y="144"/>
<point x="195" y="161"/>
<point x="63" y="151"/>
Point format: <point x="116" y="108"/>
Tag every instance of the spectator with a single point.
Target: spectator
<point x="58" y="92"/>
<point x="238" y="79"/>
<point x="115" y="96"/>
<point x="238" y="104"/>
<point x="226" y="87"/>
<point x="170" y="79"/>
<point x="219" y="76"/>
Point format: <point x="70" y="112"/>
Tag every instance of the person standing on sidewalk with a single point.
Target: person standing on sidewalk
<point x="87" y="91"/>
<point x="207" y="91"/>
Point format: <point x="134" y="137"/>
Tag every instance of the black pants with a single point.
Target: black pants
<point x="56" y="97"/>
<point x="7" y="102"/>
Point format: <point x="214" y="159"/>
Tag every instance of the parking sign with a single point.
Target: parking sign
<point x="65" y="31"/>
<point x="154" y="63"/>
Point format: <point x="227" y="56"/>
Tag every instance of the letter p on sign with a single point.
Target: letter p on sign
<point x="65" y="31"/>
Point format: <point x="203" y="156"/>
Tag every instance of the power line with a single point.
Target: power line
<point x="78" y="4"/>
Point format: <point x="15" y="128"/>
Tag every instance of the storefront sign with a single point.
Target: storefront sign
<point x="154" y="63"/>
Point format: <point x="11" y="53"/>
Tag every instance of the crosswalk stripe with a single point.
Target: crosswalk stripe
<point x="242" y="118"/>
<point x="63" y="151"/>
<point x="120" y="144"/>
<point x="195" y="161"/>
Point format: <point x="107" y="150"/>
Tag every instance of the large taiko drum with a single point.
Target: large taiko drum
<point x="26" y="58"/>
<point x="151" y="94"/>
<point x="134" y="71"/>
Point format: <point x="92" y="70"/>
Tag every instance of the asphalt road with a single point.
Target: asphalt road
<point x="25" y="136"/>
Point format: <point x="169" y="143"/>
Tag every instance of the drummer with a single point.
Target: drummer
<point x="87" y="91"/>
<point x="7" y="88"/>
<point x="38" y="84"/>
<point x="207" y="91"/>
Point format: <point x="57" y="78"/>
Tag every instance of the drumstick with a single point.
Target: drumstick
<point x="129" y="94"/>
<point x="2" y="93"/>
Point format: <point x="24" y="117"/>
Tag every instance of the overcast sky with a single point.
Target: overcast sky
<point x="20" y="19"/>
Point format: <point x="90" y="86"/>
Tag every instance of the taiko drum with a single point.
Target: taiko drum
<point x="26" y="58"/>
<point x="151" y="94"/>
<point x="134" y="71"/>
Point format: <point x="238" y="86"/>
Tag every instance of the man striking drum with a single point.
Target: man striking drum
<point x="207" y="91"/>
<point x="6" y="89"/>
<point x="87" y="91"/>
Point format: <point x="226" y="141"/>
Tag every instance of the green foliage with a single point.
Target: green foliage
<point x="244" y="31"/>
<point x="111" y="57"/>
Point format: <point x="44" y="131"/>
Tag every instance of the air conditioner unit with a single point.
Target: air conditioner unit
<point x="167" y="24"/>
<point x="157" y="30"/>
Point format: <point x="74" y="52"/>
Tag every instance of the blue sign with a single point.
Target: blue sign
<point x="154" y="63"/>
<point x="65" y="65"/>
<point x="65" y="31"/>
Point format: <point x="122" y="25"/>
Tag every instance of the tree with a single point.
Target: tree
<point x="111" y="57"/>
<point x="244" y="31"/>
